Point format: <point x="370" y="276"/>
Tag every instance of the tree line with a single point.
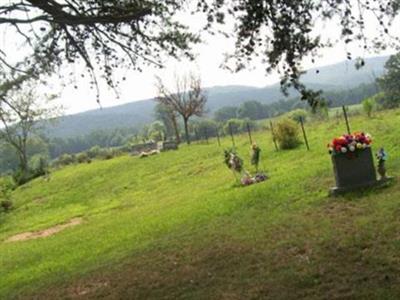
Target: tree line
<point x="169" y="126"/>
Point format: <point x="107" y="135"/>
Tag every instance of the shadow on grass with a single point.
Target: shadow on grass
<point x="366" y="192"/>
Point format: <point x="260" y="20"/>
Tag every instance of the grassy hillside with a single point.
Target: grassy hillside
<point x="174" y="227"/>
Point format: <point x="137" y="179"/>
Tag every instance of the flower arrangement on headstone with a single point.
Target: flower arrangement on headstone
<point x="352" y="161"/>
<point x="350" y="144"/>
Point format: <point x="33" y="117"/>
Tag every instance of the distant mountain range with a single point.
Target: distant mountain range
<point x="135" y="114"/>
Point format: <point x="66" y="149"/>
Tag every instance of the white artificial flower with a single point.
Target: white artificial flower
<point x="352" y="148"/>
<point x="344" y="150"/>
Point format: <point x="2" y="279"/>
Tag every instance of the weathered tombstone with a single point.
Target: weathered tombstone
<point x="167" y="145"/>
<point x="145" y="147"/>
<point x="352" y="173"/>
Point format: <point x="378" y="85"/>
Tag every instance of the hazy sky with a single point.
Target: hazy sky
<point x="210" y="55"/>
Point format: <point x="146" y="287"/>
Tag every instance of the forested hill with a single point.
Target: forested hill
<point x="345" y="75"/>
<point x="341" y="76"/>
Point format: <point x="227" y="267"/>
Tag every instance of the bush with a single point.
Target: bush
<point x="24" y="176"/>
<point x="235" y="124"/>
<point x="94" y="152"/>
<point x="21" y="177"/>
<point x="287" y="134"/>
<point x="321" y="113"/>
<point x="298" y="114"/>
<point x="383" y="102"/>
<point x="82" y="157"/>
<point x="125" y="148"/>
<point x="252" y="125"/>
<point x="369" y="105"/>
<point x="6" y="205"/>
<point x="107" y="154"/>
<point x="39" y="165"/>
<point x="65" y="160"/>
<point x="7" y="185"/>
<point x="206" y="128"/>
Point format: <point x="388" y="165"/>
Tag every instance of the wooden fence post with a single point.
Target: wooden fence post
<point x="249" y="133"/>
<point x="346" y="119"/>
<point x="231" y="133"/>
<point x="206" y="133"/>
<point x="218" y="139"/>
<point x="196" y="134"/>
<point x="304" y="133"/>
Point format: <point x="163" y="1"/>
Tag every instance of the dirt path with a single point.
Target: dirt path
<point x="44" y="233"/>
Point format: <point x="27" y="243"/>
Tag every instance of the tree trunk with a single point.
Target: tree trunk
<point x="23" y="165"/>
<point x="185" y="121"/>
<point x="175" y="124"/>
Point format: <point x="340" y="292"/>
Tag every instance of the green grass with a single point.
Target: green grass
<point x="174" y="226"/>
<point x="351" y="110"/>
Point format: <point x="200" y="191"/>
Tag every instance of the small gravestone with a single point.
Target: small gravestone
<point x="167" y="145"/>
<point x="147" y="147"/>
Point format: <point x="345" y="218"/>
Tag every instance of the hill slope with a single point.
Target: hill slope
<point x="173" y="227"/>
<point x="334" y="77"/>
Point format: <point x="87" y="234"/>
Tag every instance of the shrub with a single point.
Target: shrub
<point x="21" y="177"/>
<point x="125" y="148"/>
<point x="369" y="105"/>
<point x="287" y="134"/>
<point x="6" y="205"/>
<point x="321" y="113"/>
<point x="156" y="136"/>
<point x="65" y="160"/>
<point x="383" y="102"/>
<point x="252" y="125"/>
<point x="157" y="131"/>
<point x="206" y="128"/>
<point x="6" y="186"/>
<point x="298" y="114"/>
<point x="235" y="124"/>
<point x="94" y="152"/>
<point x="82" y="157"/>
<point x="39" y="165"/>
<point x="107" y="154"/>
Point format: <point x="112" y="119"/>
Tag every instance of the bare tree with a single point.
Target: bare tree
<point x="20" y="116"/>
<point x="188" y="100"/>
